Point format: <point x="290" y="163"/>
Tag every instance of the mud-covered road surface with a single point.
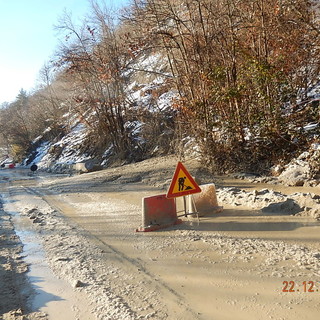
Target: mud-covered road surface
<point x="69" y="250"/>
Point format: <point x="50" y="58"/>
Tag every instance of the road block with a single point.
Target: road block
<point x="158" y="212"/>
<point x="206" y="202"/>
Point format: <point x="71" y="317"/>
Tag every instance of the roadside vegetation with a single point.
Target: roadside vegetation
<point x="242" y="76"/>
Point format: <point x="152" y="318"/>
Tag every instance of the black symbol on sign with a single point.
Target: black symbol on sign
<point x="181" y="183"/>
<point x="182" y="186"/>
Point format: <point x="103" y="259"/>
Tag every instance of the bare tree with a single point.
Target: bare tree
<point x="95" y="60"/>
<point x="235" y="63"/>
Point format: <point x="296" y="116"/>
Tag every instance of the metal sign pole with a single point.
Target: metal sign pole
<point x="190" y="209"/>
<point x="193" y="205"/>
<point x="185" y="206"/>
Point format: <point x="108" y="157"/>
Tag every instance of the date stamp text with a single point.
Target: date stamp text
<point x="304" y="286"/>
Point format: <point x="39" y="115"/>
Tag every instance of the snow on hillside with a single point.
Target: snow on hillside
<point x="148" y="89"/>
<point x="145" y="90"/>
<point x="148" y="75"/>
<point x="63" y="153"/>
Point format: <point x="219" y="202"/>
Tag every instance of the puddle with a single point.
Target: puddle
<point x="53" y="296"/>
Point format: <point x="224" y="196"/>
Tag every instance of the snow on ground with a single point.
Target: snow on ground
<point x="64" y="153"/>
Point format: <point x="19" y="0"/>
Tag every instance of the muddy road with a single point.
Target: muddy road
<point x="86" y="261"/>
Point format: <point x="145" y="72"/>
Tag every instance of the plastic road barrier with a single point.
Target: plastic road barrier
<point x="158" y="212"/>
<point x="206" y="202"/>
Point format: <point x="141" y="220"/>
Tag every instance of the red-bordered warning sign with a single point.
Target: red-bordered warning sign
<point x="182" y="183"/>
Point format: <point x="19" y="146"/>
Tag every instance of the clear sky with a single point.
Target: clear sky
<point x="28" y="38"/>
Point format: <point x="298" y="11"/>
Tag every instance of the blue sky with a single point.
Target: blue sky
<point x="28" y="38"/>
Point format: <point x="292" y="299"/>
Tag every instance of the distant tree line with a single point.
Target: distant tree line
<point x="239" y="67"/>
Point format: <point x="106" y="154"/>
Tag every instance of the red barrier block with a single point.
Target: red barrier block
<point x="158" y="212"/>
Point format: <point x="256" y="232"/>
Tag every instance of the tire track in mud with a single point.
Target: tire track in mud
<point x="137" y="277"/>
<point x="234" y="281"/>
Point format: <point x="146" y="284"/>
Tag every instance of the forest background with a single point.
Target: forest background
<point x="237" y="79"/>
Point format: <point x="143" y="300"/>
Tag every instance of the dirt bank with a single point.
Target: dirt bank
<point x="238" y="264"/>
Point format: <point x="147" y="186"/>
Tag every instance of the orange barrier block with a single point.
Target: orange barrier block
<point x="158" y="212"/>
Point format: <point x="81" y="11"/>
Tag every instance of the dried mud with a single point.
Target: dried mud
<point x="237" y="264"/>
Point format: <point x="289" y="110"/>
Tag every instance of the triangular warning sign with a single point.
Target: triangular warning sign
<point x="182" y="183"/>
